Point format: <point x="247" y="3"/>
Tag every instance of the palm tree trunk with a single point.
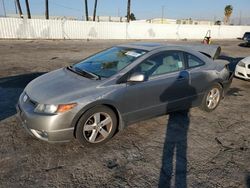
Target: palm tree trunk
<point x="19" y="8"/>
<point x="28" y="9"/>
<point x="128" y="10"/>
<point x="47" y="9"/>
<point x="95" y="10"/>
<point x="86" y="10"/>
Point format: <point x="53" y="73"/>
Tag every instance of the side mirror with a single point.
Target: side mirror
<point x="137" y="77"/>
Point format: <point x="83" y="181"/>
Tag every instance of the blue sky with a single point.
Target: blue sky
<point x="143" y="9"/>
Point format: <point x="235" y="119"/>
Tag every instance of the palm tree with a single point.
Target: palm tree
<point x="47" y="9"/>
<point x="95" y="10"/>
<point x="228" y="12"/>
<point x="28" y="8"/>
<point x="19" y="8"/>
<point x="86" y="10"/>
<point x="128" y="10"/>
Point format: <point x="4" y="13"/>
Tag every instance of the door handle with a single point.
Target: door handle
<point x="184" y="75"/>
<point x="180" y="78"/>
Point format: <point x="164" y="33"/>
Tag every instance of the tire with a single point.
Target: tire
<point x="210" y="101"/>
<point x="96" y="126"/>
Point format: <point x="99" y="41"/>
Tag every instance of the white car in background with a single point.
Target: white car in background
<point x="243" y="68"/>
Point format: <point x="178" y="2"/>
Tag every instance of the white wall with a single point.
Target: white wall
<point x="16" y="28"/>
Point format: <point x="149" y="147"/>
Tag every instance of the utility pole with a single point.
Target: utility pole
<point x="47" y="9"/>
<point x="128" y="10"/>
<point x="162" y="13"/>
<point x="15" y="6"/>
<point x="19" y="8"/>
<point x="94" y="15"/>
<point x="86" y="10"/>
<point x="28" y="9"/>
<point x="4" y="10"/>
<point x="118" y="12"/>
<point x="240" y="19"/>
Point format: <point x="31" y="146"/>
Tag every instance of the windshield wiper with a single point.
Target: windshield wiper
<point x="84" y="73"/>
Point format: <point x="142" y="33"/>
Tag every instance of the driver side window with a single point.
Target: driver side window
<point x="165" y="62"/>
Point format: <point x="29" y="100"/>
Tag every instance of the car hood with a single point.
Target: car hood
<point x="59" y="87"/>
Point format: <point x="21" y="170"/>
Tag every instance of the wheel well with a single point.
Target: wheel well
<point x="117" y="115"/>
<point x="107" y="105"/>
<point x="220" y="84"/>
<point x="223" y="94"/>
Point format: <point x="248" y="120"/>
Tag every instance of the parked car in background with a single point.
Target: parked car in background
<point x="243" y="69"/>
<point x="100" y="95"/>
<point x="246" y="37"/>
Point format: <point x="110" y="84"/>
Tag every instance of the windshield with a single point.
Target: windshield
<point x="109" y="62"/>
<point x="246" y="35"/>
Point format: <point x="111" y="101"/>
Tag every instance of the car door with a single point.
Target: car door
<point x="198" y="77"/>
<point x="164" y="90"/>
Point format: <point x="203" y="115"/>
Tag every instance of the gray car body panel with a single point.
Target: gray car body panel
<point x="132" y="102"/>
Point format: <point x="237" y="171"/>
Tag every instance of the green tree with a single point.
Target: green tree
<point x="132" y="16"/>
<point x="228" y="12"/>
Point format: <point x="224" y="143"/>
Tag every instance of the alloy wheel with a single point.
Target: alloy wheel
<point x="97" y="127"/>
<point x="213" y="98"/>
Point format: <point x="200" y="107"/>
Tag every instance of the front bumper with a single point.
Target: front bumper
<point x="45" y="127"/>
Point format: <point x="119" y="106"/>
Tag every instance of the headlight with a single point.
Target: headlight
<point x="241" y="64"/>
<point x="52" y="109"/>
<point x="46" y="108"/>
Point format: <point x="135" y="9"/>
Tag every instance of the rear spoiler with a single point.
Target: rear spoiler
<point x="212" y="51"/>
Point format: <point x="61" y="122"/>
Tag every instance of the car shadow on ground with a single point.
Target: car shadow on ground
<point x="244" y="44"/>
<point x="233" y="61"/>
<point x="234" y="92"/>
<point x="10" y="89"/>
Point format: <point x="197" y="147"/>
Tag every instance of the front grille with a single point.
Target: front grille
<point x="249" y="66"/>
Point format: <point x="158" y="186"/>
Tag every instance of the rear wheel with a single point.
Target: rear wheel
<point x="212" y="98"/>
<point x="96" y="126"/>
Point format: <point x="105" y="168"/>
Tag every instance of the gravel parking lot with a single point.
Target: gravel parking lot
<point x="196" y="149"/>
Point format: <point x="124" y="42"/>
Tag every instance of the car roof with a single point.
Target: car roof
<point x="143" y="46"/>
<point x="212" y="51"/>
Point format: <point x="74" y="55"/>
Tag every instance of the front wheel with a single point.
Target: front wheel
<point x="96" y="126"/>
<point x="212" y="98"/>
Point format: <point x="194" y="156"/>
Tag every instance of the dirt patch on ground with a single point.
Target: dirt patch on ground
<point x="196" y="149"/>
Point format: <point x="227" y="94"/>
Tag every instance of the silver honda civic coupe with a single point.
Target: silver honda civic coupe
<point x="97" y="97"/>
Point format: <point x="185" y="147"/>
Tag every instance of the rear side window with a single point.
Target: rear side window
<point x="194" y="61"/>
<point x="162" y="63"/>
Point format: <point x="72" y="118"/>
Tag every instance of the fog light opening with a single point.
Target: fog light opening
<point x="40" y="134"/>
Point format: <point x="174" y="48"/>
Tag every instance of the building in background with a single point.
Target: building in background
<point x="194" y="22"/>
<point x="178" y="21"/>
<point x="108" y="19"/>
